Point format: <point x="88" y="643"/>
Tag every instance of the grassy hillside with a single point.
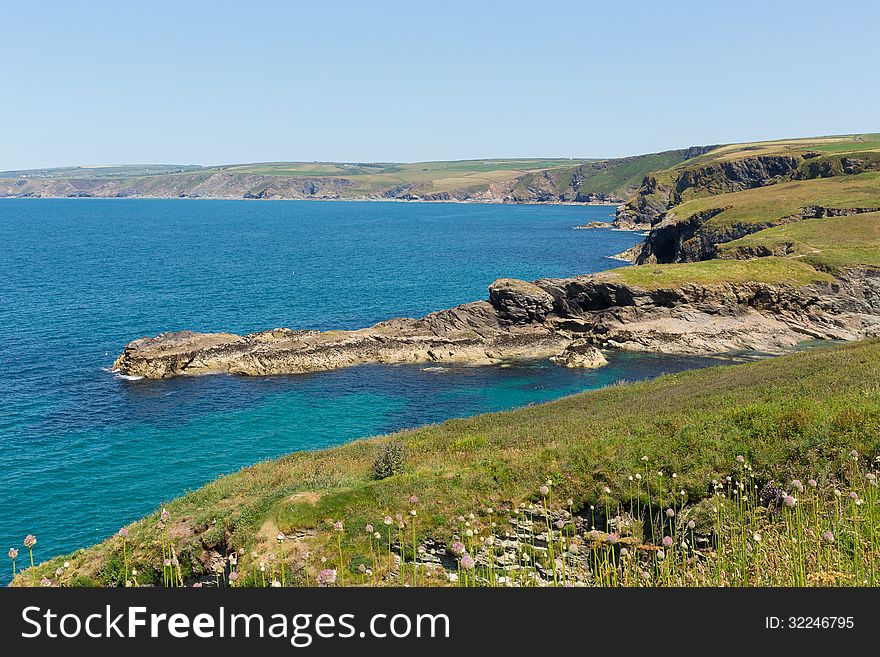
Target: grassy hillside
<point x="829" y="244"/>
<point x="764" y="270"/>
<point x="772" y="203"/>
<point x="792" y="416"/>
<point x="529" y="180"/>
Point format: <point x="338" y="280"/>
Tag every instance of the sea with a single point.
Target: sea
<point x="86" y="451"/>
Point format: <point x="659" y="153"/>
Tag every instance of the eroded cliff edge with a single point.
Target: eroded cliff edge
<point x="568" y="320"/>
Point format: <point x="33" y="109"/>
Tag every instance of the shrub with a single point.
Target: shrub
<point x="390" y="461"/>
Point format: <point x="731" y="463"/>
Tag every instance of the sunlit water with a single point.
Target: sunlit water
<point x="85" y="452"/>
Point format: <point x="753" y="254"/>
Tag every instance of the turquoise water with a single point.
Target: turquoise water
<point x="85" y="452"/>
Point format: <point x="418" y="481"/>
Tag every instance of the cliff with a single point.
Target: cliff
<point x="488" y="181"/>
<point x="563" y="319"/>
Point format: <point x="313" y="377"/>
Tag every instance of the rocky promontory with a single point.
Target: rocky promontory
<point x="568" y="320"/>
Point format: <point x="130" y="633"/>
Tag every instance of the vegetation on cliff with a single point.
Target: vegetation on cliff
<point x="795" y="417"/>
<point x="490" y="180"/>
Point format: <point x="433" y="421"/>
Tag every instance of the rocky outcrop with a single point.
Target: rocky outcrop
<point x="660" y="192"/>
<point x="511" y="326"/>
<point x="567" y="320"/>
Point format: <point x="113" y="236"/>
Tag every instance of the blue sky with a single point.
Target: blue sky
<point x="222" y="82"/>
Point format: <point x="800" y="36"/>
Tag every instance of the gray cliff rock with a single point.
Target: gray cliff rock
<point x="564" y="319"/>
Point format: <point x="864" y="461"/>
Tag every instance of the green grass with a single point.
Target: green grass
<point x="763" y="270"/>
<point x="831" y="244"/>
<point x="787" y="415"/>
<point x="621" y="179"/>
<point x="772" y="203"/>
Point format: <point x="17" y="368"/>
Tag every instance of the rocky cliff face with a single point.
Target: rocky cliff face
<point x="693" y="239"/>
<point x="550" y="186"/>
<point x="562" y="319"/>
<point x="658" y="193"/>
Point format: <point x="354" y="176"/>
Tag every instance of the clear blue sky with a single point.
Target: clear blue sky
<point x="221" y="82"/>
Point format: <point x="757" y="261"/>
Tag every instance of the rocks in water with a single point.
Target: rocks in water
<point x="566" y="319"/>
<point x="580" y="353"/>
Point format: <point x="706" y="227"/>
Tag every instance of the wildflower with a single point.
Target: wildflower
<point x="624" y="552"/>
<point x="594" y="535"/>
<point x="789" y="501"/>
<point x="413" y="499"/>
<point x="469" y="533"/>
<point x="45" y="582"/>
<point x="630" y="477"/>
<point x="797" y="485"/>
<point x="66" y="565"/>
<point x="279" y="537"/>
<point x="606" y="490"/>
<point x="458" y="548"/>
<point x="828" y="537"/>
<point x="262" y="567"/>
<point x="123" y="532"/>
<point x="233" y="576"/>
<point x="812" y="483"/>
<point x="13" y="553"/>
<point x="30" y="541"/>
<point x="560" y="524"/>
<point x="612" y="538"/>
<point x="413" y="513"/>
<point x="369" y="529"/>
<point x="645" y="458"/>
<point x="661" y="555"/>
<point x="377" y="535"/>
<point x="197" y="585"/>
<point x="167" y="563"/>
<point x="871" y="477"/>
<point x="837" y="493"/>
<point x="638" y="476"/>
<point x="467" y="562"/>
<point x="387" y="520"/>
<point x="667" y="541"/>
<point x="670" y="513"/>
<point x="855" y="455"/>
<point x="756" y="537"/>
<point x="327" y="577"/>
<point x="674" y="475"/>
<point x="740" y="459"/>
<point x="854" y="495"/>
<point x="691" y="524"/>
<point x="337" y="526"/>
<point x="59" y="571"/>
<point x="399" y="517"/>
<point x="544" y="491"/>
<point x="164" y="515"/>
<point x="276" y="584"/>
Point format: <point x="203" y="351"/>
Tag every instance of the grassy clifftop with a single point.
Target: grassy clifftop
<point x="508" y="180"/>
<point x="787" y="416"/>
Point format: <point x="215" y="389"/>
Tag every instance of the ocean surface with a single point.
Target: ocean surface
<point x="85" y="451"/>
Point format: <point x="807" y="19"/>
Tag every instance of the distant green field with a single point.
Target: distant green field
<point x="124" y="171"/>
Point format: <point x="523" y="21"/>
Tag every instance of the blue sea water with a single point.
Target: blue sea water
<point x="85" y="452"/>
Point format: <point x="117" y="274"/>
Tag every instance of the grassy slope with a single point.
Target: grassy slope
<point x="435" y="177"/>
<point x="763" y="270"/>
<point x="786" y="415"/>
<point x="773" y="202"/>
<point x="829" y="244"/>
